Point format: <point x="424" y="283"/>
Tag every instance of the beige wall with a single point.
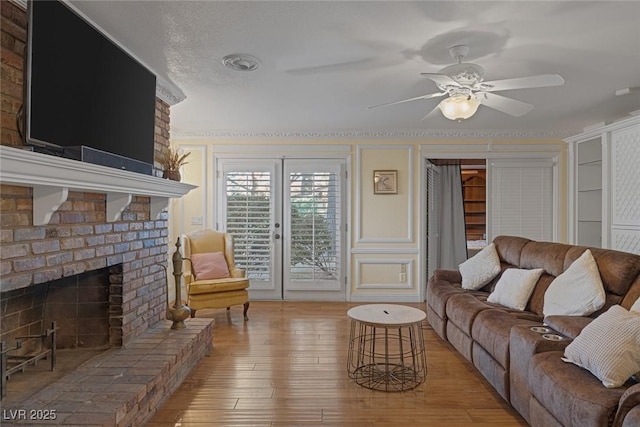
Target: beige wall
<point x="385" y="244"/>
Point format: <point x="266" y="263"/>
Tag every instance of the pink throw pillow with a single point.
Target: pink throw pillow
<point x="210" y="265"/>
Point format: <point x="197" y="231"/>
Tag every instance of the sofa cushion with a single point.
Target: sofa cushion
<point x="609" y="347"/>
<point x="636" y="306"/>
<point x="549" y="256"/>
<point x="576" y="292"/>
<point x="463" y="308"/>
<point x="210" y="265"/>
<point x="491" y="330"/>
<point x="536" y="300"/>
<point x="218" y="285"/>
<point x="515" y="287"/>
<point x="480" y="269"/>
<point x="510" y="248"/>
<point x="569" y="326"/>
<point x="571" y="394"/>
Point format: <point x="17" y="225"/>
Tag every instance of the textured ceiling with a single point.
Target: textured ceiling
<point x="324" y="62"/>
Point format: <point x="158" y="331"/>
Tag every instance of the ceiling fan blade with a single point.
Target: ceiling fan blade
<point x="430" y="113"/>
<point x="431" y="95"/>
<point x="328" y="68"/>
<point x="441" y="79"/>
<point x="506" y="105"/>
<point x="542" y="80"/>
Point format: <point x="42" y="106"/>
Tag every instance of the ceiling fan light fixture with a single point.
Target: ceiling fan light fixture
<point x="459" y="107"/>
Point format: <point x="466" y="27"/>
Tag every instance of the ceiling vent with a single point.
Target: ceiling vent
<point x="241" y="62"/>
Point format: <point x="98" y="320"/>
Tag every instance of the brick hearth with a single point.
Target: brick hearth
<point x="121" y="387"/>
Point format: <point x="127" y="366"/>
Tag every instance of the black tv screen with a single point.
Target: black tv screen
<point x="84" y="90"/>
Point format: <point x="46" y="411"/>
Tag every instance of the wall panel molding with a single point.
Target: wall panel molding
<point x="407" y="237"/>
<point x="406" y="284"/>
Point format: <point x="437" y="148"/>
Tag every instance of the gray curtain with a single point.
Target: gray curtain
<point x="452" y="242"/>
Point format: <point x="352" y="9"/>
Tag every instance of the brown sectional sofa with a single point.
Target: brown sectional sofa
<point x="520" y="364"/>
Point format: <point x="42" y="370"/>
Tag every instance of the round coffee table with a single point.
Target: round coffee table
<point x="386" y="347"/>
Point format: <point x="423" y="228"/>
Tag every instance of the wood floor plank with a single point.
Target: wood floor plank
<point x="287" y="366"/>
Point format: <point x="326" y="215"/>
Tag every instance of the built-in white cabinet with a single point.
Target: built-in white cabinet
<point x="589" y="192"/>
<point x="604" y="186"/>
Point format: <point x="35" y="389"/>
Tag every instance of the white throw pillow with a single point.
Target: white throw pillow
<point x="480" y="269"/>
<point x="576" y="292"/>
<point x="609" y="347"/>
<point x="636" y="306"/>
<point x="515" y="287"/>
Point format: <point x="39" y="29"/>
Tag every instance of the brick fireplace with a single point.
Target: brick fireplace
<point x="103" y="246"/>
<point x="78" y="238"/>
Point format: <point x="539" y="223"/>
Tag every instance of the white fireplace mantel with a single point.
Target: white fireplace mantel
<point x="53" y="177"/>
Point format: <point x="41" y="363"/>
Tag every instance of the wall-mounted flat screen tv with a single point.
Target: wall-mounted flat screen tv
<point x="83" y="89"/>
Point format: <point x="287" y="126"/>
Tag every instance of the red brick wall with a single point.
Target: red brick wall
<point x="78" y="238"/>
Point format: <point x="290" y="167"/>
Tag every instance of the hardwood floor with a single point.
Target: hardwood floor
<point x="286" y="366"/>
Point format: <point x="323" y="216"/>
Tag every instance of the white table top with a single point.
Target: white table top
<point x="386" y="314"/>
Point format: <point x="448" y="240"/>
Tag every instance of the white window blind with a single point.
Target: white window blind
<point x="248" y="214"/>
<point x="522" y="199"/>
<point x="314" y="215"/>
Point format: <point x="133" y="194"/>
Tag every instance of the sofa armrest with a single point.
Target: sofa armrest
<point x="523" y="345"/>
<point x="569" y="326"/>
<point x="628" y="401"/>
<point x="451" y="276"/>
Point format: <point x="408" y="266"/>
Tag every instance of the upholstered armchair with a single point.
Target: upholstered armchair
<point x="211" y="278"/>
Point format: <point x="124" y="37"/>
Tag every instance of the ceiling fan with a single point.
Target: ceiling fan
<point x="466" y="90"/>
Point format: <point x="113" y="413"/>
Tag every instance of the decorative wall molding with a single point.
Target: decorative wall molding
<point x="385" y="298"/>
<point x="278" y="150"/>
<point x="384" y="251"/>
<point x="405" y="284"/>
<point x="20" y="3"/>
<point x="367" y="134"/>
<point x="598" y="131"/>
<point x="168" y="92"/>
<point x="360" y="237"/>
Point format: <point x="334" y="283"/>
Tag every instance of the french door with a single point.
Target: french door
<point x="286" y="217"/>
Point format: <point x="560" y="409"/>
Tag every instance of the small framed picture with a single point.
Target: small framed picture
<point x="385" y="182"/>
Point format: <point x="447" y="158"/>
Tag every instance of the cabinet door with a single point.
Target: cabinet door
<point x="625" y="189"/>
<point x="588" y="215"/>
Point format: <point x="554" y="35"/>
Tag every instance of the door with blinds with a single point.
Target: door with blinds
<point x="286" y="219"/>
<point x="523" y="199"/>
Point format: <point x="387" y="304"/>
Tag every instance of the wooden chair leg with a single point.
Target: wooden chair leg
<point x="244" y="312"/>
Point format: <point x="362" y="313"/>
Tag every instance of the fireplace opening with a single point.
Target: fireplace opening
<point x="85" y="308"/>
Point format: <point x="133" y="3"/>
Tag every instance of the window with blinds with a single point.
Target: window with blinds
<point x="248" y="213"/>
<point x="314" y="215"/>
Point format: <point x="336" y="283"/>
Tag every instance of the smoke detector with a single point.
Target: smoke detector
<point x="241" y="62"/>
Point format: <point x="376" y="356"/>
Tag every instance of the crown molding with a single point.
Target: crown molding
<point x="20" y="3"/>
<point x="366" y="134"/>
<point x="168" y="92"/>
